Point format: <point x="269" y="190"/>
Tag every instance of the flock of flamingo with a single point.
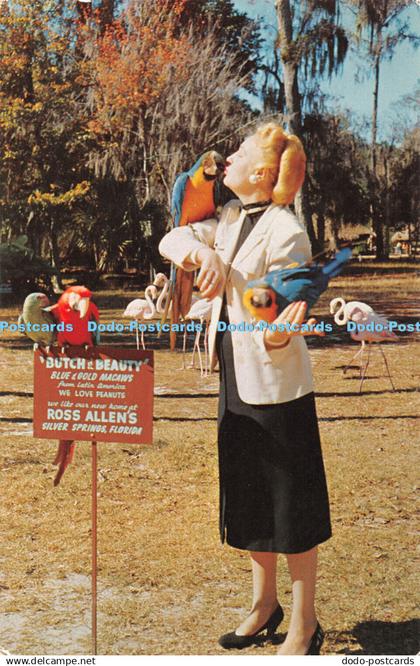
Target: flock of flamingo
<point x="154" y="305"/>
<point x="155" y="301"/>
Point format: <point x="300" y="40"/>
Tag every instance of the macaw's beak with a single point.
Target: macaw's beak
<point x="220" y="164"/>
<point x="210" y="171"/>
<point x="83" y="307"/>
<point x="261" y="303"/>
<point x="79" y="304"/>
<point x="261" y="298"/>
<point x="214" y="165"/>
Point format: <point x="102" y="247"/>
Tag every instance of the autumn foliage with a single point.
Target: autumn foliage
<point x="101" y="109"/>
<point x="134" y="61"/>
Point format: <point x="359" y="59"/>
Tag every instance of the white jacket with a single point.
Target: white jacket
<point x="278" y="239"/>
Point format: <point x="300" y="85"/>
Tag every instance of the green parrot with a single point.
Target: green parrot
<point x="34" y="313"/>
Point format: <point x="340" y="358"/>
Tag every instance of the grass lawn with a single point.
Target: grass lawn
<point x="166" y="585"/>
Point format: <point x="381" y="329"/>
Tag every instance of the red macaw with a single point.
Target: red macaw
<point x="74" y="307"/>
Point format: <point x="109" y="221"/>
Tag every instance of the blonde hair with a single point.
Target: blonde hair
<point x="285" y="158"/>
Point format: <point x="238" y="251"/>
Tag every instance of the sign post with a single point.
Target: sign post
<point x="96" y="394"/>
<point x="94" y="546"/>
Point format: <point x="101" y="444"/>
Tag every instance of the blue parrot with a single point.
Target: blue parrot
<point x="266" y="297"/>
<point x="195" y="197"/>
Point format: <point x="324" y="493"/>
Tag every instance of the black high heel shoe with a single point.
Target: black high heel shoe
<point x="232" y="640"/>
<point x="316" y="641"/>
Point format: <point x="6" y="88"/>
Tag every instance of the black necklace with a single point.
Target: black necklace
<point x="257" y="204"/>
<point x="256" y="207"/>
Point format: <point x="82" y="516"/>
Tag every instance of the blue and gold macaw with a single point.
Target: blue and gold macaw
<point x="267" y="297"/>
<point x="195" y="196"/>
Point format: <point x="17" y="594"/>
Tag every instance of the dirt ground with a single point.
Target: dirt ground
<point x="166" y="585"/>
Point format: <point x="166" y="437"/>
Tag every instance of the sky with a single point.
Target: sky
<point x="398" y="77"/>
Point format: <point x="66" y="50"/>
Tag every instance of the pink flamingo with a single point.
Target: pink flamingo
<point x="200" y="310"/>
<point x="141" y="309"/>
<point x="362" y="313"/>
<point x="162" y="282"/>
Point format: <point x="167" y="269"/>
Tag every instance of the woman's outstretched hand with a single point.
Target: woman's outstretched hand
<point x="294" y="315"/>
<point x="211" y="277"/>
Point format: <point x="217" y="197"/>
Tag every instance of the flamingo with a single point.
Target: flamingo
<point x="162" y="282"/>
<point x="141" y="309"/>
<point x="200" y="310"/>
<point x="362" y="313"/>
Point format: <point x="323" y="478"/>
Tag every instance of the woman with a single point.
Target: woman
<point x="273" y="492"/>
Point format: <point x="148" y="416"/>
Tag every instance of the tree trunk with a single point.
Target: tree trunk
<point x="55" y="259"/>
<point x="27" y="79"/>
<point x="375" y="116"/>
<point x="106" y="14"/>
<point x="293" y="107"/>
<point x="291" y="92"/>
<point x="332" y="233"/>
<point x="387" y="203"/>
<point x="321" y="229"/>
<point x="84" y="9"/>
<point x="376" y="212"/>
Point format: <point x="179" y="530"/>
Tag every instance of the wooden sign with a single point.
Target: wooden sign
<point x="100" y="393"/>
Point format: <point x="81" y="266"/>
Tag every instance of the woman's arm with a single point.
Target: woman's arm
<point x="191" y="247"/>
<point x="181" y="244"/>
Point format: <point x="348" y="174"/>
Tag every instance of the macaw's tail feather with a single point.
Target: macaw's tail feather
<point x="174" y="317"/>
<point x="335" y="266"/>
<point x="186" y="290"/>
<point x="181" y="301"/>
<point x="63" y="458"/>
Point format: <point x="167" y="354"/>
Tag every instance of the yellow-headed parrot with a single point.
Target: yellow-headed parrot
<point x="194" y="198"/>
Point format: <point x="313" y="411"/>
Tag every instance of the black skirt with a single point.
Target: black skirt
<point x="273" y="490"/>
